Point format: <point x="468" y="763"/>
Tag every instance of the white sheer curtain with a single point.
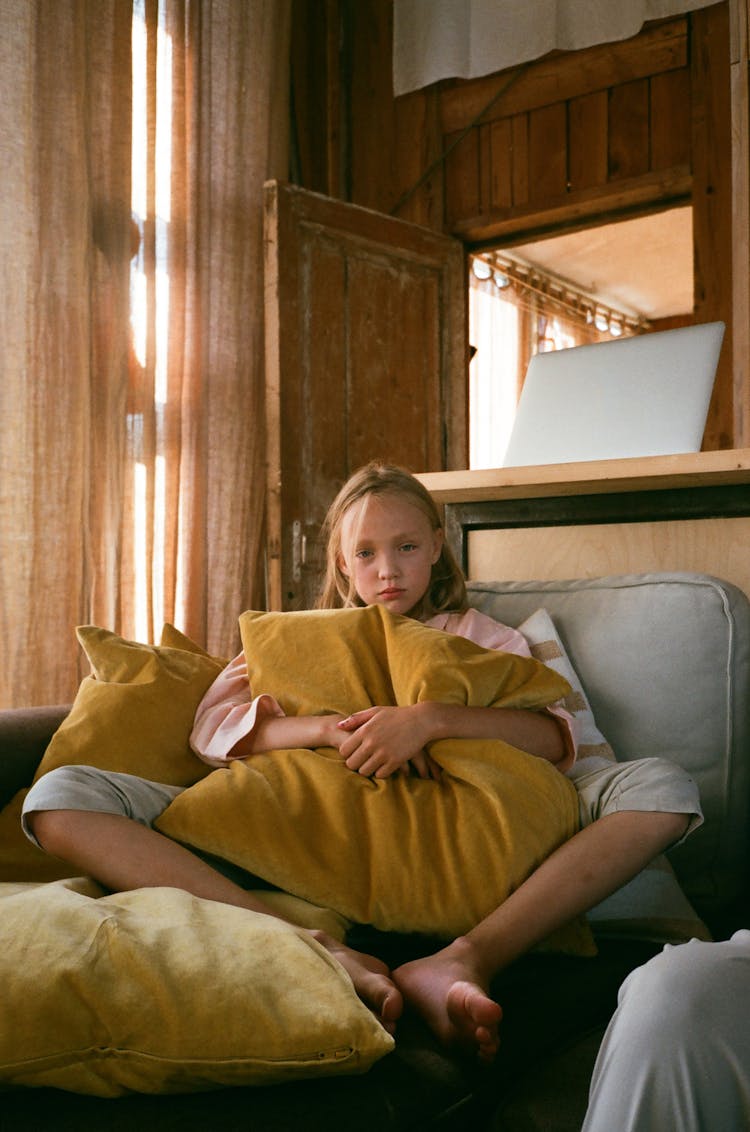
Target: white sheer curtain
<point x="448" y="39"/>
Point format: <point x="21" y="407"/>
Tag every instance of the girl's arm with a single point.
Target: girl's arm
<point x="382" y="740"/>
<point x="231" y="723"/>
<point x="279" y="732"/>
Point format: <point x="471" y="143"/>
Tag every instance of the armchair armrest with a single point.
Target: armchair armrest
<point x="24" y="735"/>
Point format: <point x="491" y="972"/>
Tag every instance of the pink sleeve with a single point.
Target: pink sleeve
<point x="228" y="713"/>
<point x="490" y="634"/>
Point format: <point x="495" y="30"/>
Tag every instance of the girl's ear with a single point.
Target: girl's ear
<point x="341" y="563"/>
<point x="438" y="539"/>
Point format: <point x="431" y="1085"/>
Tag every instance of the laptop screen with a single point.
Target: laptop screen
<point x="641" y="396"/>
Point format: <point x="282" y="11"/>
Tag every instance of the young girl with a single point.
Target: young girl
<point x="386" y="546"/>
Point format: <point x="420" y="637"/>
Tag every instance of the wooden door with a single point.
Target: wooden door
<point x="366" y="358"/>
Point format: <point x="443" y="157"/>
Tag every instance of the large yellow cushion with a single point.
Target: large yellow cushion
<point x="402" y="853"/>
<point x="157" y="991"/>
<point x="135" y="712"/>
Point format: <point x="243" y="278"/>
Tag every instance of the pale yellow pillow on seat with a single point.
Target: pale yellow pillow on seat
<point x="156" y="991"/>
<point x="402" y="854"/>
<point x="135" y="712"/>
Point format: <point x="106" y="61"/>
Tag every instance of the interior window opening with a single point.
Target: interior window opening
<point x="594" y="285"/>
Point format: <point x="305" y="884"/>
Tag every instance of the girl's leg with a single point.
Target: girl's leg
<point x="123" y="852"/>
<point x="677" y="1051"/>
<point x="451" y="988"/>
<point x="630" y="812"/>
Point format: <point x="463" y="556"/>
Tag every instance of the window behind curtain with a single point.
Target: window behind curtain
<point x="516" y="311"/>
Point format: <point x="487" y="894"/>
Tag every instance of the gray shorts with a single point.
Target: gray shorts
<point x="101" y="791"/>
<point x="606" y="787"/>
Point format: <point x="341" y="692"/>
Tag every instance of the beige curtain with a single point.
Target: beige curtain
<point x="200" y="422"/>
<point x="131" y="479"/>
<point x="64" y="214"/>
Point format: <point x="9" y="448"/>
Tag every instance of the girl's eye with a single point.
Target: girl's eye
<point x="409" y="546"/>
<point x="362" y="553"/>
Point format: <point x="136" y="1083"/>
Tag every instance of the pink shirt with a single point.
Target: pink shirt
<point x="229" y="711"/>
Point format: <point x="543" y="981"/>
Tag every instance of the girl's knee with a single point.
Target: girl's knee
<point x="49" y="829"/>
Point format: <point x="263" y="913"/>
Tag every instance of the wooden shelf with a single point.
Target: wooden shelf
<point x="698" y="469"/>
<point x="687" y="512"/>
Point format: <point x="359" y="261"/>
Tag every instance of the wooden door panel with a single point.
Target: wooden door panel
<point x="366" y="357"/>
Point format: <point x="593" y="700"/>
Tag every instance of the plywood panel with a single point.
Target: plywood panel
<point x="711" y="546"/>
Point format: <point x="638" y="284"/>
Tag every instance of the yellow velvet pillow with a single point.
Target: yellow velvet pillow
<point x="134" y="713"/>
<point x="156" y="991"/>
<point x="403" y="854"/>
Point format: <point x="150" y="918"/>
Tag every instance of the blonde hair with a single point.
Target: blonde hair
<point x="447" y="588"/>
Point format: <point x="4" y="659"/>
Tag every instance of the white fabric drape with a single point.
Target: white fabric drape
<point x="448" y="39"/>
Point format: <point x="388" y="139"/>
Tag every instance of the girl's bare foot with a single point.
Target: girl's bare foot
<point x="372" y="980"/>
<point x="448" y="991"/>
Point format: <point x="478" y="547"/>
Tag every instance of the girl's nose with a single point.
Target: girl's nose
<point x="387" y="567"/>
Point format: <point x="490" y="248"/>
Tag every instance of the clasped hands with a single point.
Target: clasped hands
<point x="382" y="741"/>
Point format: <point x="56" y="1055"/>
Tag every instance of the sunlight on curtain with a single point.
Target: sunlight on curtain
<point x="132" y="456"/>
<point x="493" y="373"/>
<point x="151" y="204"/>
<point x="210" y="126"/>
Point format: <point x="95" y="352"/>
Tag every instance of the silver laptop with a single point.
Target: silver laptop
<point x="641" y="396"/>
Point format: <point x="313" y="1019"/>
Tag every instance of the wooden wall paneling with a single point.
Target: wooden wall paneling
<point x="501" y="151"/>
<point x="337" y="132"/>
<point x="462" y="186"/>
<point x="519" y="125"/>
<point x="485" y="164"/>
<point x="628" y="131"/>
<point x="587" y="140"/>
<point x="309" y="87"/>
<point x="548" y="152"/>
<point x="712" y="203"/>
<point x="560" y="77"/>
<point x="418" y="194"/>
<point x="739" y="22"/>
<point x="669" y="119"/>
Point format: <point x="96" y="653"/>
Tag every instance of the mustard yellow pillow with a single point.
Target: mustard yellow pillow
<point x="156" y="991"/>
<point x="20" y="859"/>
<point x="134" y="713"/>
<point x="402" y="854"/>
<point x="342" y="660"/>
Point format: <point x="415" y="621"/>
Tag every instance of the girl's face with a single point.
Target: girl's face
<point x="388" y="549"/>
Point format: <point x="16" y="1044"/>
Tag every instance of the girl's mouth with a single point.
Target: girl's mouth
<point x="392" y="592"/>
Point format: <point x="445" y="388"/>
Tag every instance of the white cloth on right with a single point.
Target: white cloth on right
<point x="676" y="1053"/>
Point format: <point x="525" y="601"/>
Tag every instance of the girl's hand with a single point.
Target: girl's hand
<point x="386" y="740"/>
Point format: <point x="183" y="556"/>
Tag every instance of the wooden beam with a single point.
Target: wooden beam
<point x="582" y="209"/>
<point x="560" y="76"/>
